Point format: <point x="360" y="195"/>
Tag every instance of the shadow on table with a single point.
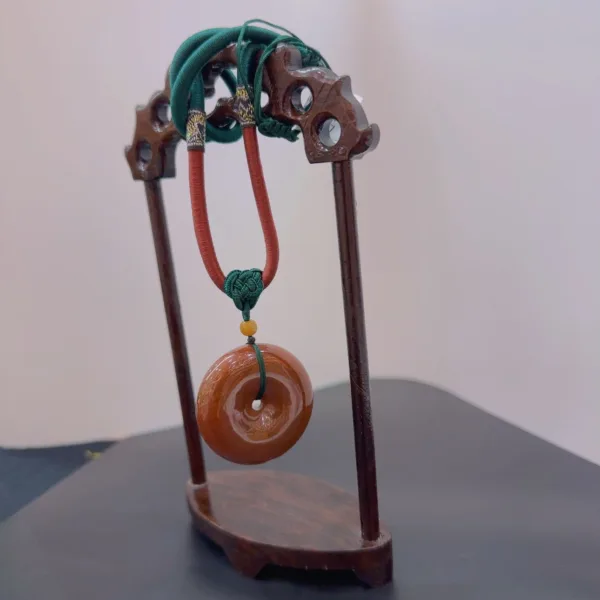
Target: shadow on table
<point x="28" y="473"/>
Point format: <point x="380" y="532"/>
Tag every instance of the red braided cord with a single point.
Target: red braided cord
<point x="200" y="214"/>
<point x="259" y="187"/>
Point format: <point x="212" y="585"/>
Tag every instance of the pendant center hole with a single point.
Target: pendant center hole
<point x="257" y="405"/>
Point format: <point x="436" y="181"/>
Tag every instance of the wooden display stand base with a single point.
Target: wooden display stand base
<point x="262" y="518"/>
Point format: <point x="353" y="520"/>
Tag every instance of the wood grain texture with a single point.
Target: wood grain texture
<point x="170" y="294"/>
<point x="226" y="419"/>
<point x="262" y="518"/>
<point x="356" y="339"/>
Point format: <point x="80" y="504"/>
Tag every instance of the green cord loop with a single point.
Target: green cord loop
<point x="187" y="86"/>
<point x="186" y="71"/>
<point x="187" y="93"/>
<point x="262" y="370"/>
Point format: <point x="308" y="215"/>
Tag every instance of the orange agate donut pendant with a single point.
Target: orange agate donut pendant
<point x="236" y="425"/>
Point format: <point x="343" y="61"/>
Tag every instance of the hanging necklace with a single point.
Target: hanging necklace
<point x="254" y="402"/>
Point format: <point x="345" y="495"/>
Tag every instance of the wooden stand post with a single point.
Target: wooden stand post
<point x="168" y="284"/>
<point x="356" y="336"/>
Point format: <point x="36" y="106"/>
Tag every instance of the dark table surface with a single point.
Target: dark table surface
<point x="479" y="510"/>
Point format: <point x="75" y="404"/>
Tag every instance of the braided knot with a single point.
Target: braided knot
<point x="244" y="288"/>
<point x="273" y="128"/>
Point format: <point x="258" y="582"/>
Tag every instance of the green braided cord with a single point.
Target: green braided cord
<point x="222" y="135"/>
<point x="243" y="60"/>
<point x="261" y="368"/>
<point x="269" y="126"/>
<point x="187" y="88"/>
<point x="244" y="288"/>
<point x="247" y="24"/>
<point x="187" y="66"/>
<point x="196" y="88"/>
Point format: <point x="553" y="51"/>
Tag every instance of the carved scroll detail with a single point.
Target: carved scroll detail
<point x="152" y="152"/>
<point x="332" y="98"/>
<point x="151" y="155"/>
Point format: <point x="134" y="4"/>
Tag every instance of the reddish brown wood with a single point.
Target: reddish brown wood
<point x="168" y="282"/>
<point x="356" y="337"/>
<point x="263" y="518"/>
<point x="226" y="419"/>
<point x="151" y="154"/>
<point x="332" y="97"/>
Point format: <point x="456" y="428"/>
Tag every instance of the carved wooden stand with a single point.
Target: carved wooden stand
<point x="261" y="517"/>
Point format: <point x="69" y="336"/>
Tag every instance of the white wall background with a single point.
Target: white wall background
<point x="479" y="213"/>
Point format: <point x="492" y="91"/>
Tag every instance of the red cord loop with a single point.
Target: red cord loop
<point x="200" y="213"/>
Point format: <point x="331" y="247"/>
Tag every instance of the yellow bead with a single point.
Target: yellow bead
<point x="248" y="328"/>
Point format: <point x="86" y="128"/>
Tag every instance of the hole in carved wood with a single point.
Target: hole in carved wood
<point x="264" y="99"/>
<point x="256" y="405"/>
<point x="221" y="91"/>
<point x="143" y="154"/>
<point x="329" y="132"/>
<point x="161" y="114"/>
<point x="302" y="98"/>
